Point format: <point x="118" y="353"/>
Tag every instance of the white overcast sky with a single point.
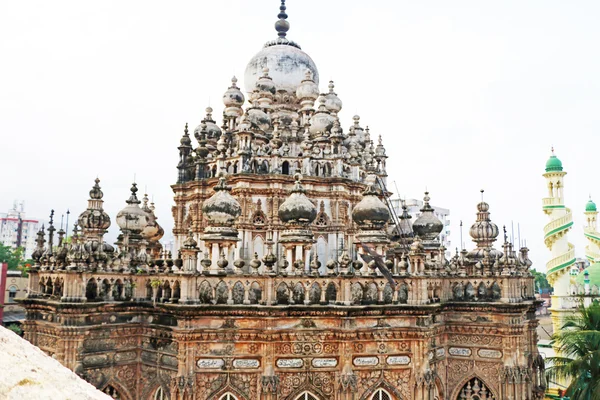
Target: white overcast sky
<point x="466" y="94"/>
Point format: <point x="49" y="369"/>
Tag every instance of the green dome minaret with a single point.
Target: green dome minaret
<point x="553" y="164"/>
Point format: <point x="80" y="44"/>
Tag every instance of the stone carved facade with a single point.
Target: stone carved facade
<point x="284" y="287"/>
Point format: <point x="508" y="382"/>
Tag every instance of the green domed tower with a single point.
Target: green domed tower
<point x="562" y="258"/>
<point x="592" y="250"/>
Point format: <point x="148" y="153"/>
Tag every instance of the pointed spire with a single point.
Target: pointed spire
<point x="282" y="26"/>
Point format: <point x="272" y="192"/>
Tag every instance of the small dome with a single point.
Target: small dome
<point x="427" y="226"/>
<point x="259" y="119"/>
<point x="297" y="208"/>
<point x="96" y="193"/>
<point x="265" y="83"/>
<point x="233" y="96"/>
<point x="590" y="206"/>
<point x="308" y="89"/>
<point x="332" y="101"/>
<point x="132" y="217"/>
<point x="371" y="212"/>
<point x="221" y="208"/>
<point x="94" y="217"/>
<point x="211" y="128"/>
<point x="322" y="121"/>
<point x="553" y="164"/>
<point x="484" y="232"/>
<point x="153" y="232"/>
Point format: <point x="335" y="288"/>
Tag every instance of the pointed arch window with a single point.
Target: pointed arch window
<point x="475" y="389"/>
<point x="112" y="392"/>
<point x="307" y="396"/>
<point x="228" y="396"/>
<point x="160" y="394"/>
<point x="381" y="394"/>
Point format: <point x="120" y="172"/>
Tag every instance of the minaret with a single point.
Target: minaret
<point x="562" y="256"/>
<point x="592" y="250"/>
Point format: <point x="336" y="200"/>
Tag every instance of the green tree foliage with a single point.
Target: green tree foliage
<point x="578" y="344"/>
<point x="14" y="258"/>
<point x="540" y="280"/>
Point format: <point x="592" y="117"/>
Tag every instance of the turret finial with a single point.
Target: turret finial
<point x="282" y="26"/>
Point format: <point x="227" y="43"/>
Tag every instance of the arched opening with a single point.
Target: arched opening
<point x="176" y="292"/>
<point x="381" y="394"/>
<point x="370" y="296"/>
<point x="235" y="167"/>
<point x="475" y="389"/>
<point x="238" y="293"/>
<point x="283" y="293"/>
<point x="228" y="396"/>
<point x="205" y="293"/>
<point x="388" y="294"/>
<point x="469" y="292"/>
<point x="482" y="291"/>
<point x="255" y="294"/>
<point x="160" y="394"/>
<point x="285" y="168"/>
<point x="91" y="290"/>
<point x="314" y="296"/>
<point x="117" y="293"/>
<point x="105" y="289"/>
<point x="49" y="286"/>
<point x="307" y="396"/>
<point x="166" y="295"/>
<point x="148" y="290"/>
<point x="357" y="293"/>
<point x="298" y="293"/>
<point x="331" y="293"/>
<point x="222" y="293"/>
<point x="403" y="294"/>
<point x="112" y="392"/>
<point x="42" y="286"/>
<point x="495" y="291"/>
<point x="12" y="294"/>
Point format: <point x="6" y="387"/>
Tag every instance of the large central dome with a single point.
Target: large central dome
<point x="285" y="59"/>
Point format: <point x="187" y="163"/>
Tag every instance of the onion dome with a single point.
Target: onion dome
<point x="380" y="150"/>
<point x="185" y="139"/>
<point x="284" y="58"/>
<point x="297" y="208"/>
<point x="405" y="224"/>
<point x="553" y="164"/>
<point x="332" y="101"/>
<point x="258" y="118"/>
<point x="322" y="121"/>
<point x="590" y="206"/>
<point x="94" y="219"/>
<point x="132" y="218"/>
<point x="152" y="232"/>
<point x="221" y="208"/>
<point x="308" y="89"/>
<point x="427" y="226"/>
<point x="265" y="83"/>
<point x="211" y="128"/>
<point x="233" y="96"/>
<point x="190" y="242"/>
<point x="371" y="212"/>
<point x="484" y="232"/>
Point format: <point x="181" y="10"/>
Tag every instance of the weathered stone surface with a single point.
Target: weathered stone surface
<point x="28" y="373"/>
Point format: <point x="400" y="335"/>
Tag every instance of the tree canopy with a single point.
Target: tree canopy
<point x="578" y="346"/>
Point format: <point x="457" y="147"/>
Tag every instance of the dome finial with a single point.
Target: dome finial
<point x="282" y="26"/>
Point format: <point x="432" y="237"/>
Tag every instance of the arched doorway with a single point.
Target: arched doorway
<point x="381" y="394"/>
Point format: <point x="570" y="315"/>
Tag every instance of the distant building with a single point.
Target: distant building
<point x="18" y="231"/>
<point x="414" y="206"/>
